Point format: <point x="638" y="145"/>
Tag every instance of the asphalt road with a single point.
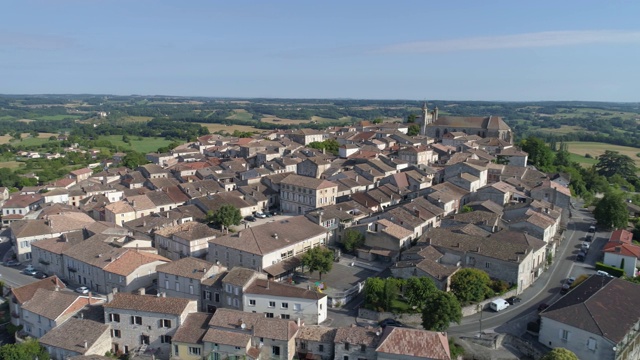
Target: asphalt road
<point x="547" y="288"/>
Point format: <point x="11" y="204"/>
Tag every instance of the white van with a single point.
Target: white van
<point x="498" y="304"/>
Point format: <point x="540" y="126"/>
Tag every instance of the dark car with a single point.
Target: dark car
<point x="513" y="300"/>
<point x="580" y="257"/>
<point x="588" y="238"/>
<point x="543" y="307"/>
<point x="40" y="275"/>
<point x="250" y="218"/>
<point x="12" y="262"/>
<point x="390" y="322"/>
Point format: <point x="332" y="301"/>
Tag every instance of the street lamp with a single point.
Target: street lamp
<point x="480" y="323"/>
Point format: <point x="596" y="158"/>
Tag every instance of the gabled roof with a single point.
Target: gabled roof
<point x="621" y="235"/>
<point x="266" y="238"/>
<point x="193" y="329"/>
<point x="276" y="289"/>
<point x="72" y="334"/>
<point x="53" y="304"/>
<point x="24" y="293"/>
<point x="600" y="305"/>
<point x="148" y="303"/>
<point x="307" y="182"/>
<point x="278" y="329"/>
<point x="414" y="342"/>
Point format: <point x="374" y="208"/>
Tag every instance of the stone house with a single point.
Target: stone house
<point x="514" y="257"/>
<point x="140" y="322"/>
<point x="18" y="205"/>
<point x="20" y="295"/>
<point x="299" y="194"/>
<point x="49" y="308"/>
<point x="267" y="245"/>
<point x="307" y="136"/>
<point x="77" y="337"/>
<point x="426" y="261"/>
<point x="417" y="155"/>
<point x="315" y="341"/>
<point x="187" y="343"/>
<point x="183" y="240"/>
<point x="275" y="299"/>
<point x="620" y="250"/>
<point x="182" y="278"/>
<point x="81" y="174"/>
<point x="595" y="320"/>
<point x="356" y="343"/>
<point x="313" y="166"/>
<point x="103" y="268"/>
<point x="554" y="193"/>
<point x="237" y="333"/>
<point x="46" y="254"/>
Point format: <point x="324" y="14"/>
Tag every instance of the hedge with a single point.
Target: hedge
<point x="612" y="270"/>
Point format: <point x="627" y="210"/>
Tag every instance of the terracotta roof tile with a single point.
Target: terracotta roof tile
<point x="148" y="303"/>
<point x="415" y="343"/>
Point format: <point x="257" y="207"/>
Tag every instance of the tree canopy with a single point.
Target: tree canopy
<point x="318" y="259"/>
<point x="471" y="285"/>
<point x="611" y="211"/>
<point x="540" y="155"/>
<point x="440" y="310"/>
<point x="352" y="240"/>
<point x="414" y="129"/>
<point x="559" y="354"/>
<point x="225" y="216"/>
<point x="417" y="289"/>
<point x="27" y="350"/>
<point x="133" y="159"/>
<point x="612" y="162"/>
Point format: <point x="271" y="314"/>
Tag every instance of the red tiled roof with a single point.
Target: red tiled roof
<point x="623" y="236"/>
<point x="622" y="249"/>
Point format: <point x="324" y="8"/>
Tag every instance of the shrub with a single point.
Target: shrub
<point x="454" y="349"/>
<point x="499" y="286"/>
<point x="533" y="326"/>
<point x="612" y="270"/>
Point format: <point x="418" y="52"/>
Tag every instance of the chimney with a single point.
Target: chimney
<point x="239" y="233"/>
<point x="86" y="345"/>
<point x="298" y="322"/>
<point x="142" y="291"/>
<point x="478" y="249"/>
<point x="357" y="178"/>
<point x="618" y="249"/>
<point x="164" y="295"/>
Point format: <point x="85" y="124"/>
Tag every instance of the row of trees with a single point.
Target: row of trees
<point x="438" y="308"/>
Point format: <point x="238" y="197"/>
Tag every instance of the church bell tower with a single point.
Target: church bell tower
<point x="425" y="119"/>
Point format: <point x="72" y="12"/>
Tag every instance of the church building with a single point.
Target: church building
<point x="436" y="127"/>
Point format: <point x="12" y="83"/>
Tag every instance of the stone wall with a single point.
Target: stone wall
<point x="378" y="316"/>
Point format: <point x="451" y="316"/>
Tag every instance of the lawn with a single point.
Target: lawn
<point x="144" y="146"/>
<point x="582" y="160"/>
<point x="399" y="306"/>
<point x="10" y="164"/>
<point x="596" y="149"/>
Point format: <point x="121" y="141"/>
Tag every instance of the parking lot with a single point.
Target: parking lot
<point x="245" y="224"/>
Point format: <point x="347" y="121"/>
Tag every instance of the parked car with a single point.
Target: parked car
<point x="250" y="218"/>
<point x="82" y="290"/>
<point x="390" y="322"/>
<point x="592" y="228"/>
<point x="513" y="300"/>
<point x="543" y="307"/>
<point x="571" y="280"/>
<point x="498" y="304"/>
<point x="29" y="271"/>
<point x="12" y="262"/>
<point x="603" y="273"/>
<point x="260" y="215"/>
<point x="588" y="238"/>
<point x="565" y="288"/>
<point x="40" y="275"/>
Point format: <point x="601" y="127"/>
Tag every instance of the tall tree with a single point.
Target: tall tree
<point x="133" y="159"/>
<point x="559" y="354"/>
<point x="540" y="155"/>
<point x="411" y="118"/>
<point x="418" y="289"/>
<point x="440" y="310"/>
<point x="318" y="259"/>
<point x="352" y="240"/>
<point x="611" y="211"/>
<point x="612" y="162"/>
<point x="470" y="285"/>
<point x="373" y="292"/>
<point x="225" y="216"/>
<point x="414" y="130"/>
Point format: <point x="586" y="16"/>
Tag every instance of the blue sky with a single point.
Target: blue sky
<point x="444" y="50"/>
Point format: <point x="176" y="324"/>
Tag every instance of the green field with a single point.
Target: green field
<point x="10" y="164"/>
<point x="58" y="117"/>
<point x="31" y="141"/>
<point x="144" y="146"/>
<point x="582" y="160"/>
<point x="240" y="114"/>
<point x="596" y="149"/>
